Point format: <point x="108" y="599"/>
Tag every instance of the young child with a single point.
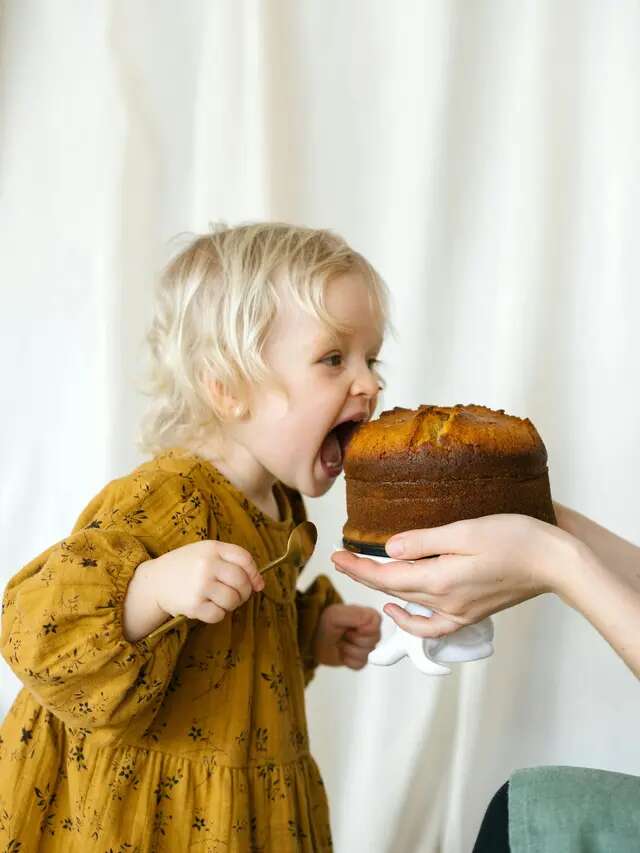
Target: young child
<point x="139" y="732"/>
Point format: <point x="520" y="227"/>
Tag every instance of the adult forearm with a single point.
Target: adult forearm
<point x="607" y="600"/>
<point x="617" y="554"/>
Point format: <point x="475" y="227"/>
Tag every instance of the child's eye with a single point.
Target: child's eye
<point x="333" y="360"/>
<point x="374" y="367"/>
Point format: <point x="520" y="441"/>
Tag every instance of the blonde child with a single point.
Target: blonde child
<point x="137" y="731"/>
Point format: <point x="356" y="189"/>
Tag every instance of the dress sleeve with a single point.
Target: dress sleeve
<point x="311" y="603"/>
<point x="62" y="614"/>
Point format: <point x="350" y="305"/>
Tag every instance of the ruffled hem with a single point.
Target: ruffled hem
<point x="134" y="799"/>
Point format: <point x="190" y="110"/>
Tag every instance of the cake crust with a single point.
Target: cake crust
<point x="437" y="464"/>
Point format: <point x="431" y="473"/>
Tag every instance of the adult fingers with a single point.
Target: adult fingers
<point x="371" y="573"/>
<point x="421" y="626"/>
<point x="433" y="576"/>
<point x="455" y="538"/>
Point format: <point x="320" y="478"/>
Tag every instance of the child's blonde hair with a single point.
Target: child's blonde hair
<point x="215" y="304"/>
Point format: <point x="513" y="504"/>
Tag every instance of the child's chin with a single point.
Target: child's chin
<point x="317" y="486"/>
<point x="316" y="490"/>
<point x="324" y="488"/>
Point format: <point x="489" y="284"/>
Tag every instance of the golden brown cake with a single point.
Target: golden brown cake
<point x="437" y="464"/>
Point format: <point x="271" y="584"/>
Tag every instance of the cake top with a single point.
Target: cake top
<point x="445" y="442"/>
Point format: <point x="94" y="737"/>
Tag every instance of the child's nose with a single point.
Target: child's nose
<point x="365" y="382"/>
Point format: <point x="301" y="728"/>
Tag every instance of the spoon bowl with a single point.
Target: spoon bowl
<point x="302" y="541"/>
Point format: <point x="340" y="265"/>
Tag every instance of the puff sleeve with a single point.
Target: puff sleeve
<point x="310" y="605"/>
<point x="62" y="614"/>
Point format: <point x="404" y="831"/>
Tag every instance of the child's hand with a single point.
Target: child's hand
<point x="203" y="580"/>
<point x="346" y="634"/>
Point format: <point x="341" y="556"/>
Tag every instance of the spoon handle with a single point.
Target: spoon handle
<point x="273" y="564"/>
<point x="176" y="620"/>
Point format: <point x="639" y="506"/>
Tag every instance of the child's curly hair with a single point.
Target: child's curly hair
<point x="215" y="304"/>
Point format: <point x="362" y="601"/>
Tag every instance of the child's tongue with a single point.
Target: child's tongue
<point x="331" y="455"/>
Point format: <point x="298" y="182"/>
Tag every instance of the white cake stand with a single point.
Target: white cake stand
<point x="469" y="643"/>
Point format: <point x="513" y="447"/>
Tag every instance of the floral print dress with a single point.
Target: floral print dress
<point x="191" y="739"/>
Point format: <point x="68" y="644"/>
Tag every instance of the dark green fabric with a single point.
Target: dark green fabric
<point x="573" y="810"/>
<point x="493" y="836"/>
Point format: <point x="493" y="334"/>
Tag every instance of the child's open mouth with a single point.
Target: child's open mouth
<point x="334" y="447"/>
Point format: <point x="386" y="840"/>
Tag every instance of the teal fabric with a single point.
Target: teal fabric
<point x="573" y="810"/>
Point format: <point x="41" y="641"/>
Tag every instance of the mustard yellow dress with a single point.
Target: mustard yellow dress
<point x="192" y="739"/>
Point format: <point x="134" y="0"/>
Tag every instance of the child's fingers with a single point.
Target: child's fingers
<point x="226" y="597"/>
<point x="353" y="656"/>
<point x="361" y="652"/>
<point x="231" y="553"/>
<point x="362" y="641"/>
<point x="235" y="576"/>
<point x="222" y="598"/>
<point x="209" y="612"/>
<point x="371" y="624"/>
<point x="354" y="616"/>
<point x="365" y="617"/>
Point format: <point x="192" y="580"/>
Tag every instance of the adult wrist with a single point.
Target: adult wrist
<point x="574" y="570"/>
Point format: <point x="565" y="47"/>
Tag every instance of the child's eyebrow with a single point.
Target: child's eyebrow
<point x="331" y="339"/>
<point x="328" y="339"/>
<point x="378" y="344"/>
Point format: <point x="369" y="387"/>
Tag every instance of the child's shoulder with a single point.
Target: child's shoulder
<point x="167" y="465"/>
<point x="169" y="475"/>
<point x="170" y="485"/>
<point x="169" y="470"/>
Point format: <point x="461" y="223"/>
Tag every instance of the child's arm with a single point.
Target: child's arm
<point x="63" y="618"/>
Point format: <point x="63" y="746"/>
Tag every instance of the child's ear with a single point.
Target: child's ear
<point x="226" y="404"/>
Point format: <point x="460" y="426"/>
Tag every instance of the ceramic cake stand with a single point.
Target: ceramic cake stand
<point x="469" y="643"/>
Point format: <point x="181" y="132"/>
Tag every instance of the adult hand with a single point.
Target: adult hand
<point x="464" y="571"/>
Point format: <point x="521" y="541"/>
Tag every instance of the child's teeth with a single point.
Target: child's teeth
<point x="331" y="452"/>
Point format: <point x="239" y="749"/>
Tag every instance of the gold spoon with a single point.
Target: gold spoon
<point x="302" y="541"/>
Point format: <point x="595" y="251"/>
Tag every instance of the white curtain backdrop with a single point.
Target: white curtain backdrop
<point x="485" y="157"/>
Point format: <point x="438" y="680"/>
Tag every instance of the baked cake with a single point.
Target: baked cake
<point x="437" y="464"/>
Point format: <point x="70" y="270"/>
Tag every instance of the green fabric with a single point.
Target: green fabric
<point x="573" y="810"/>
